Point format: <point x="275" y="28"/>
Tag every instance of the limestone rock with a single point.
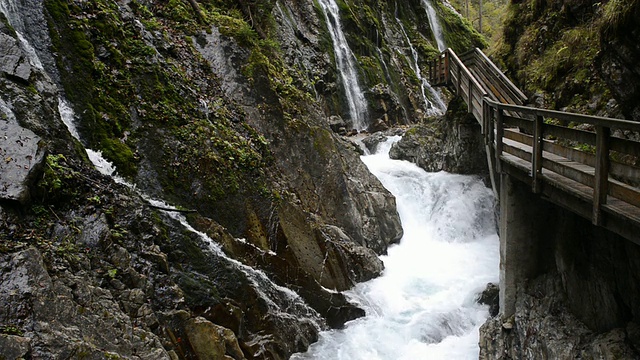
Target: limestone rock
<point x="13" y="347"/>
<point x="21" y="156"/>
<point x="544" y="327"/>
<point x="451" y="143"/>
<point x="59" y="321"/>
<point x="212" y="342"/>
<point x="13" y="61"/>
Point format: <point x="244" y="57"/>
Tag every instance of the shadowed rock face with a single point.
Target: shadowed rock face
<point x="21" y="154"/>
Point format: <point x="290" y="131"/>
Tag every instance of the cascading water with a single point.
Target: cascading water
<point x="346" y="64"/>
<point x="280" y="300"/>
<point x="423" y="306"/>
<point x="437" y="106"/>
<point x="434" y="23"/>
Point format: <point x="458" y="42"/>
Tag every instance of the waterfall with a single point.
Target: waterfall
<point x="12" y="13"/>
<point x="432" y="109"/>
<point x="423" y="306"/>
<point x="434" y="23"/>
<point x="346" y="64"/>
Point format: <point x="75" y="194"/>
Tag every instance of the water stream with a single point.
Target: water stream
<point x="346" y="65"/>
<point x="434" y="23"/>
<point x="423" y="306"/>
<point x="435" y="106"/>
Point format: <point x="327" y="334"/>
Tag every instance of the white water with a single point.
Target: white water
<point x="434" y="23"/>
<point x="10" y="10"/>
<point x="437" y="108"/>
<point x="423" y="306"/>
<point x="346" y="64"/>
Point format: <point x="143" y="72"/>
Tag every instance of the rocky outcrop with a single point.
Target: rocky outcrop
<point x="21" y="155"/>
<point x="545" y="328"/>
<point x="14" y="61"/>
<point x="451" y="143"/>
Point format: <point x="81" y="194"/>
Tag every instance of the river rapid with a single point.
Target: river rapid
<point x="424" y="305"/>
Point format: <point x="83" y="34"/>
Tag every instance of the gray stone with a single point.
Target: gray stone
<point x="452" y="143"/>
<point x="21" y="156"/>
<point x="13" y="61"/>
<point x="13" y="347"/>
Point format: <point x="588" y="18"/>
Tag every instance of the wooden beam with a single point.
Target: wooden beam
<point x="499" y="136"/>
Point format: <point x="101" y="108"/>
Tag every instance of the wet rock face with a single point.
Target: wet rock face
<point x="13" y="62"/>
<point x="451" y="143"/>
<point x="21" y="157"/>
<point x="621" y="71"/>
<point x="89" y="269"/>
<point x="64" y="315"/>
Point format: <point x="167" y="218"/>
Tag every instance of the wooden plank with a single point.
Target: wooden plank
<point x="510" y="121"/>
<point x="563" y="132"/>
<point x="522" y="97"/>
<point x="569" y="170"/>
<point x="625" y="146"/>
<point x="499" y="136"/>
<point x="519" y="137"/>
<point x="495" y="85"/>
<point x="517" y="152"/>
<point x="624" y="192"/>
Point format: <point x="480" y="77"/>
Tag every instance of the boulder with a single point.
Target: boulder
<point x="452" y="143"/>
<point x="490" y="296"/>
<point x="212" y="342"/>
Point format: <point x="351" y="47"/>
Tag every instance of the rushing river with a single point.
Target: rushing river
<point x="423" y="306"/>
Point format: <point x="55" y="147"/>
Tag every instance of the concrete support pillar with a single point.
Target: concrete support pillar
<point x="523" y="234"/>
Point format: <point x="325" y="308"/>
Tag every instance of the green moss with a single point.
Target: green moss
<point x="459" y="33"/>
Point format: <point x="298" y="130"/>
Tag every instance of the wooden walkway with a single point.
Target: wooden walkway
<point x="589" y="172"/>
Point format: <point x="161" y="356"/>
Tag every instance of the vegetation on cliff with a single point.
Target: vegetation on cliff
<point x="561" y="49"/>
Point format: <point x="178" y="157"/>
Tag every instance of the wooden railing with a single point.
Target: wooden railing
<point x="591" y="172"/>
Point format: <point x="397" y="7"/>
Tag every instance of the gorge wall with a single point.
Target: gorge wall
<point x="229" y="111"/>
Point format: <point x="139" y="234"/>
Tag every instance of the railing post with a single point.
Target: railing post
<point x="499" y="136"/>
<point x="470" y="102"/>
<point x="459" y="89"/>
<point x="601" y="185"/>
<point x="536" y="156"/>
<point x="446" y="68"/>
<point x="439" y="70"/>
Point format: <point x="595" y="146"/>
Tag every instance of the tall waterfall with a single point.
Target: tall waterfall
<point x="435" y="106"/>
<point x="346" y="64"/>
<point x="423" y="306"/>
<point x="434" y="23"/>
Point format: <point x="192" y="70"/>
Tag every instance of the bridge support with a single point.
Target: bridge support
<point x="525" y="221"/>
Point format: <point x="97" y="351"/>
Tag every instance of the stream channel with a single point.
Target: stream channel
<point x="424" y="304"/>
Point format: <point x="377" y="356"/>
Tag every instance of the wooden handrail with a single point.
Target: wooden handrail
<point x="497" y="105"/>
